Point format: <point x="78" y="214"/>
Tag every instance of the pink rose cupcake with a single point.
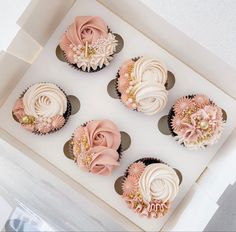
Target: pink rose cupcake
<point x="88" y="44"/>
<point x="149" y="187"/>
<point x="141" y="85"/>
<point x="96" y="147"/>
<point x="195" y="121"/>
<point x="42" y="109"/>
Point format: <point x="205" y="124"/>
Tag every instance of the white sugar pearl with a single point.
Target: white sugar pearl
<point x="130" y="100"/>
<point x="75" y="56"/>
<point x="74" y="49"/>
<point x="71" y="45"/>
<point x="127" y="91"/>
<point x="126" y="75"/>
<point x="49" y="120"/>
<point x="134" y="105"/>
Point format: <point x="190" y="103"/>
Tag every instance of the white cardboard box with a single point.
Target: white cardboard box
<point x="45" y="33"/>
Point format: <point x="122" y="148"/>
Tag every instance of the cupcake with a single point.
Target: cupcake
<point x="88" y="44"/>
<point x="42" y="109"/>
<point x="96" y="147"/>
<point x="141" y="85"/>
<point x="149" y="187"/>
<point x="196" y="122"/>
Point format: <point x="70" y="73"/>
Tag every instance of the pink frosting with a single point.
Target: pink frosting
<point x="191" y="132"/>
<point x="43" y="125"/>
<point x="103" y="161"/>
<point x="18" y="109"/>
<point x="58" y="121"/>
<point x="155" y="209"/>
<point x="28" y="127"/>
<point x="123" y="82"/>
<point x="84" y="29"/>
<point x="95" y="146"/>
<point x="100" y="133"/>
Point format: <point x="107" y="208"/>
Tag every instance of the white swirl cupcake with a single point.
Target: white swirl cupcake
<point x="141" y="85"/>
<point x="149" y="187"/>
<point x="43" y="108"/>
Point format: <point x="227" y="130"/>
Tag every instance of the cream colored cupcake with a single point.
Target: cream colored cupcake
<point x="43" y="108"/>
<point x="141" y="85"/>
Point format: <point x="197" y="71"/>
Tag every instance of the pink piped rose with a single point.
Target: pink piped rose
<point x="84" y="29"/>
<point x="100" y="133"/>
<point x="99" y="160"/>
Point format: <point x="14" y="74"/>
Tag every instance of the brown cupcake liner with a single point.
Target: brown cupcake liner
<point x="119" y="150"/>
<point x="86" y="70"/>
<point x="66" y="115"/>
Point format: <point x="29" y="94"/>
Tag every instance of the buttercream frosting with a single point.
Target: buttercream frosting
<point x="44" y="100"/>
<point x="141" y="84"/>
<point x="88" y="44"/>
<point x="95" y="146"/>
<point x="150" y="70"/>
<point x="197" y="122"/>
<point x="159" y="181"/>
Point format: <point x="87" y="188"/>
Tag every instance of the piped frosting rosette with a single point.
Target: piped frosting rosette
<point x="96" y="147"/>
<point x="196" y="122"/>
<point x="43" y="108"/>
<point x="149" y="187"/>
<point x="141" y="85"/>
<point x="88" y="44"/>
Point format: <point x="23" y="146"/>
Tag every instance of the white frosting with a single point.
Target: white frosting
<point x="149" y="70"/>
<point x="44" y="100"/>
<point x="104" y="49"/>
<point x="159" y="181"/>
<point x="150" y="97"/>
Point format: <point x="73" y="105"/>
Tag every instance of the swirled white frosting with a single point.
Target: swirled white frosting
<point x="150" y="97"/>
<point x="159" y="181"/>
<point x="149" y="70"/>
<point x="104" y="49"/>
<point x="44" y="100"/>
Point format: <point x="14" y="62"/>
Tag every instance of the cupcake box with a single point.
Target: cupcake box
<point x="146" y="139"/>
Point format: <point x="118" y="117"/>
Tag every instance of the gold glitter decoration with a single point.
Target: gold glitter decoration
<point x="88" y="52"/>
<point x="28" y="119"/>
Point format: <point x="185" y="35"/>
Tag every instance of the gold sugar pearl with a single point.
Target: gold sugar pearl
<point x="204" y="125"/>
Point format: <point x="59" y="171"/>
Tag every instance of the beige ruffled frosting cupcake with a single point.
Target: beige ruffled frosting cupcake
<point x="42" y="108"/>
<point x="149" y="187"/>
<point x="141" y="85"/>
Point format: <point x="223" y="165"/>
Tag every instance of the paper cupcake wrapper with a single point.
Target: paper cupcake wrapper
<point x="119" y="150"/>
<point x="86" y="70"/>
<point x="66" y="115"/>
